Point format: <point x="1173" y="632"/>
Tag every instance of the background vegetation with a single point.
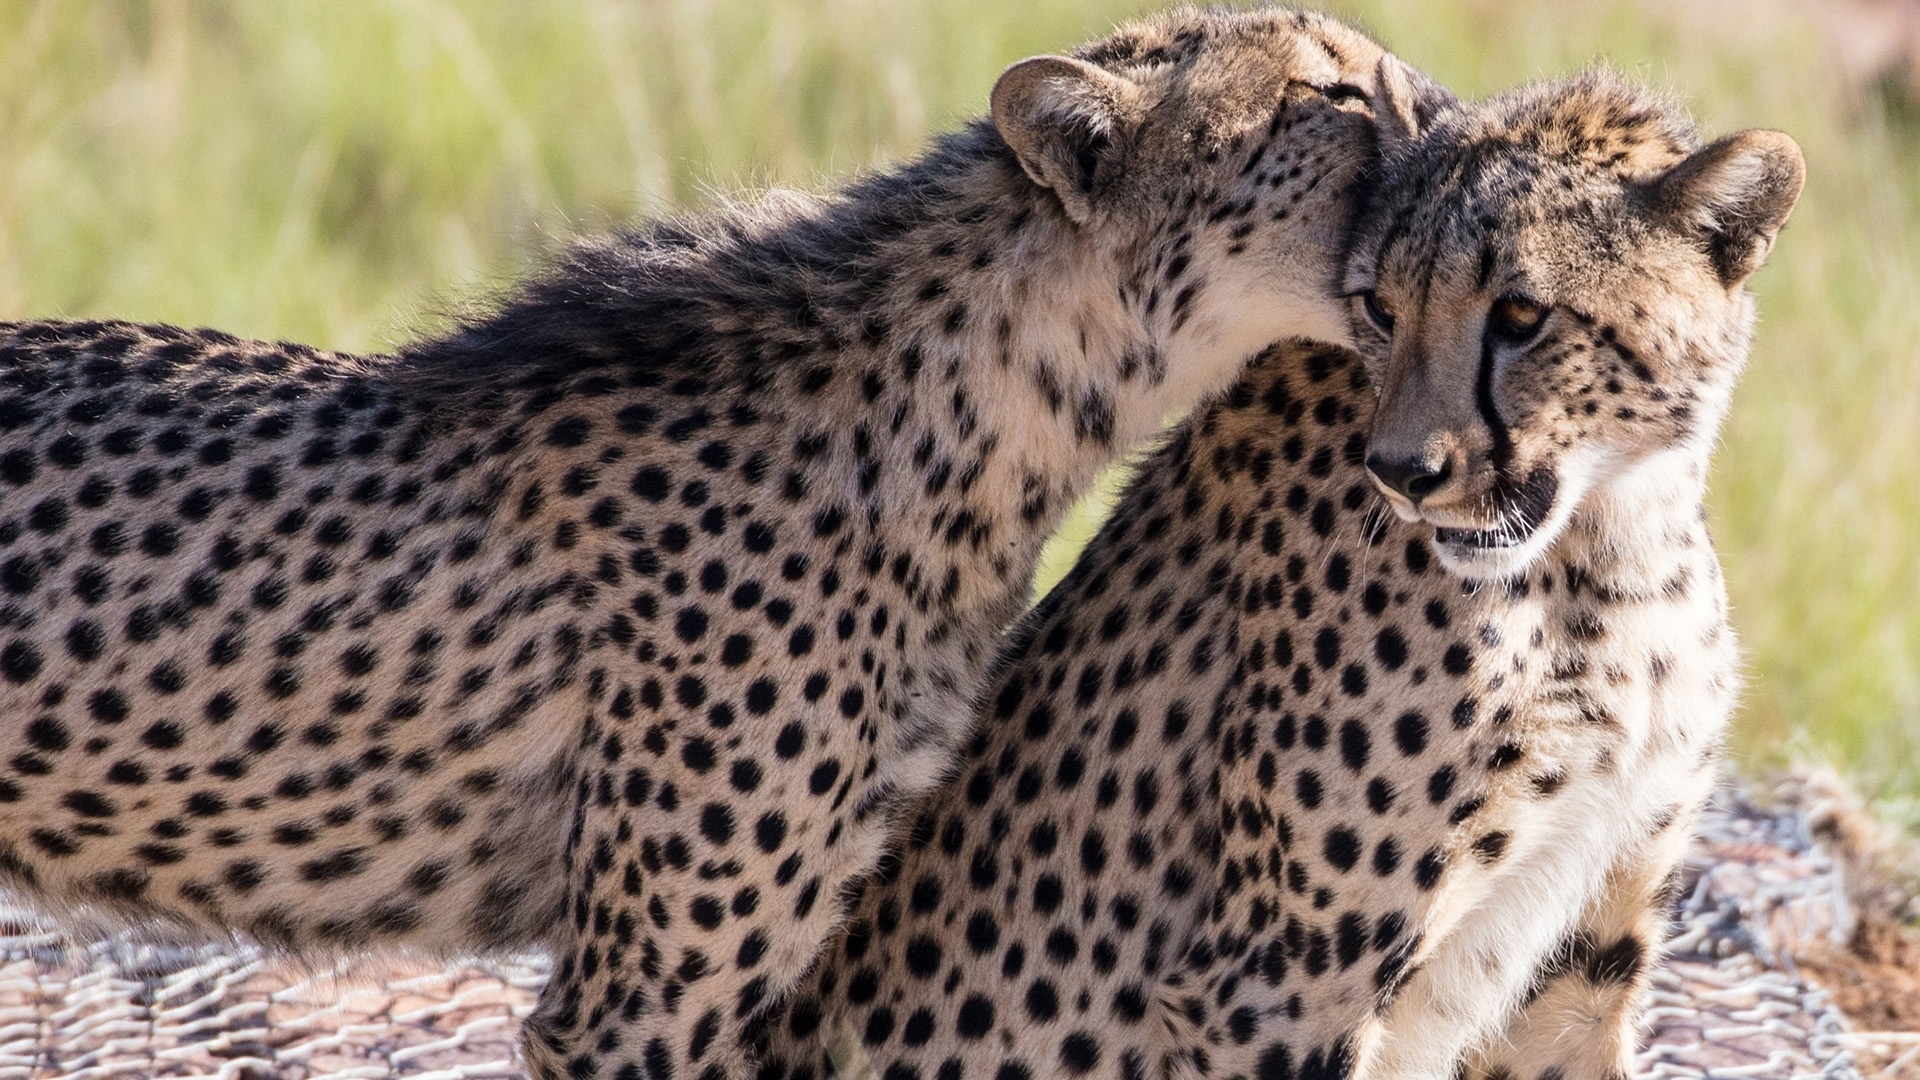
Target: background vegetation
<point x="340" y="174"/>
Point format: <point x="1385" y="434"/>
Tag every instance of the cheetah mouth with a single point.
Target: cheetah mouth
<point x="1481" y="538"/>
<point x="1523" y="507"/>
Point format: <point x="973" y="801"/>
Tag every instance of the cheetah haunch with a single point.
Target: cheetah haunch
<point x="622" y="620"/>
<point x="1277" y="786"/>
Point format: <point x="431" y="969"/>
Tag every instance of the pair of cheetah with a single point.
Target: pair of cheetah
<point x="634" y="619"/>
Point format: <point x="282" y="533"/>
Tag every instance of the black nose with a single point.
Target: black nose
<point x="1414" y="477"/>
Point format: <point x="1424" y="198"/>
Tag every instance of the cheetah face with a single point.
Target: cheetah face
<point x="1214" y="157"/>
<point x="1549" y="289"/>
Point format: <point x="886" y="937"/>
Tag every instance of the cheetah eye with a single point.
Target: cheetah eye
<point x="1377" y="312"/>
<point x="1340" y="93"/>
<point x="1515" y="319"/>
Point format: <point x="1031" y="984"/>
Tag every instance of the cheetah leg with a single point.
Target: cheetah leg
<point x="1315" y="993"/>
<point x="1480" y="961"/>
<point x="670" y="946"/>
<point x="1581" y="1019"/>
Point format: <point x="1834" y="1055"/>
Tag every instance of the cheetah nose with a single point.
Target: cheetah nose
<point x="1413" y="477"/>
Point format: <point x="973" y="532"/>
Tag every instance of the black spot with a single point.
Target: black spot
<point x="20" y="575"/>
<point x="1426" y="873"/>
<point x="825" y="775"/>
<point x="88" y="804"/>
<point x="983" y="933"/>
<point x="1386" y="857"/>
<point x="1391" y="648"/>
<point x="48" y="734"/>
<point x="923" y="955"/>
<point x="1276" y="1063"/>
<point x="770" y="831"/>
<point x="1505" y="756"/>
<point x="569" y="431"/>
<point x="1342" y="848"/>
<point x="20" y="662"/>
<point x="691" y="624"/>
<point x="707" y="911"/>
<point x="791" y="740"/>
<point x="1617" y="964"/>
<point x="716" y="823"/>
<point x="160" y="540"/>
<point x="1490" y="846"/>
<point x="975" y="1018"/>
<point x="1043" y="1002"/>
<point x="1355" y="744"/>
<point x="652" y="483"/>
<point x="1079" y="1053"/>
<point x="1410" y="733"/>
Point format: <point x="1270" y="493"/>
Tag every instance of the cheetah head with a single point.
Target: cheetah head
<point x="1215" y="157"/>
<point x="1550" y="291"/>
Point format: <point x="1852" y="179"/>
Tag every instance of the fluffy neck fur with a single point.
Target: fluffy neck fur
<point x="941" y="330"/>
<point x="1632" y="531"/>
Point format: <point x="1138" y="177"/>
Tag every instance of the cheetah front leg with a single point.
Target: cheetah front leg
<point x="1501" y="913"/>
<point x="1581" y="1018"/>
<point x="690" y="905"/>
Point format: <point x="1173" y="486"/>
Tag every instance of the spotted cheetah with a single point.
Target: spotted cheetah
<point x="619" y="620"/>
<point x="1279" y="784"/>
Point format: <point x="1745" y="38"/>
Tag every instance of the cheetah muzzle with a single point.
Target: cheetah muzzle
<point x="1521" y="509"/>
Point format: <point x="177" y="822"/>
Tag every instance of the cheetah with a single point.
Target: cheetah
<point x="1365" y="738"/>
<point x="620" y="620"/>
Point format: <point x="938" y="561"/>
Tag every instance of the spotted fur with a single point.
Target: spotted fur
<point x="1280" y="785"/>
<point x="621" y="620"/>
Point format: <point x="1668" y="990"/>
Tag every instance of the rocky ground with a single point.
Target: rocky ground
<point x="1792" y="958"/>
<point x="1792" y="955"/>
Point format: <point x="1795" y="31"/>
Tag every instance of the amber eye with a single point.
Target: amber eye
<point x="1515" y="318"/>
<point x="1377" y="312"/>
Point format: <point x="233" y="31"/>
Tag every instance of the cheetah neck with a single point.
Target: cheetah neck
<point x="1634" y="532"/>
<point x="1636" y="630"/>
<point x="946" y="358"/>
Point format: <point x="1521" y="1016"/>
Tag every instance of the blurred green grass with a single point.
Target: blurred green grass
<point x="343" y="175"/>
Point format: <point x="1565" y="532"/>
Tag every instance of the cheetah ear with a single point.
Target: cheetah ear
<point x="1405" y="102"/>
<point x="1734" y="196"/>
<point x="1064" y="118"/>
